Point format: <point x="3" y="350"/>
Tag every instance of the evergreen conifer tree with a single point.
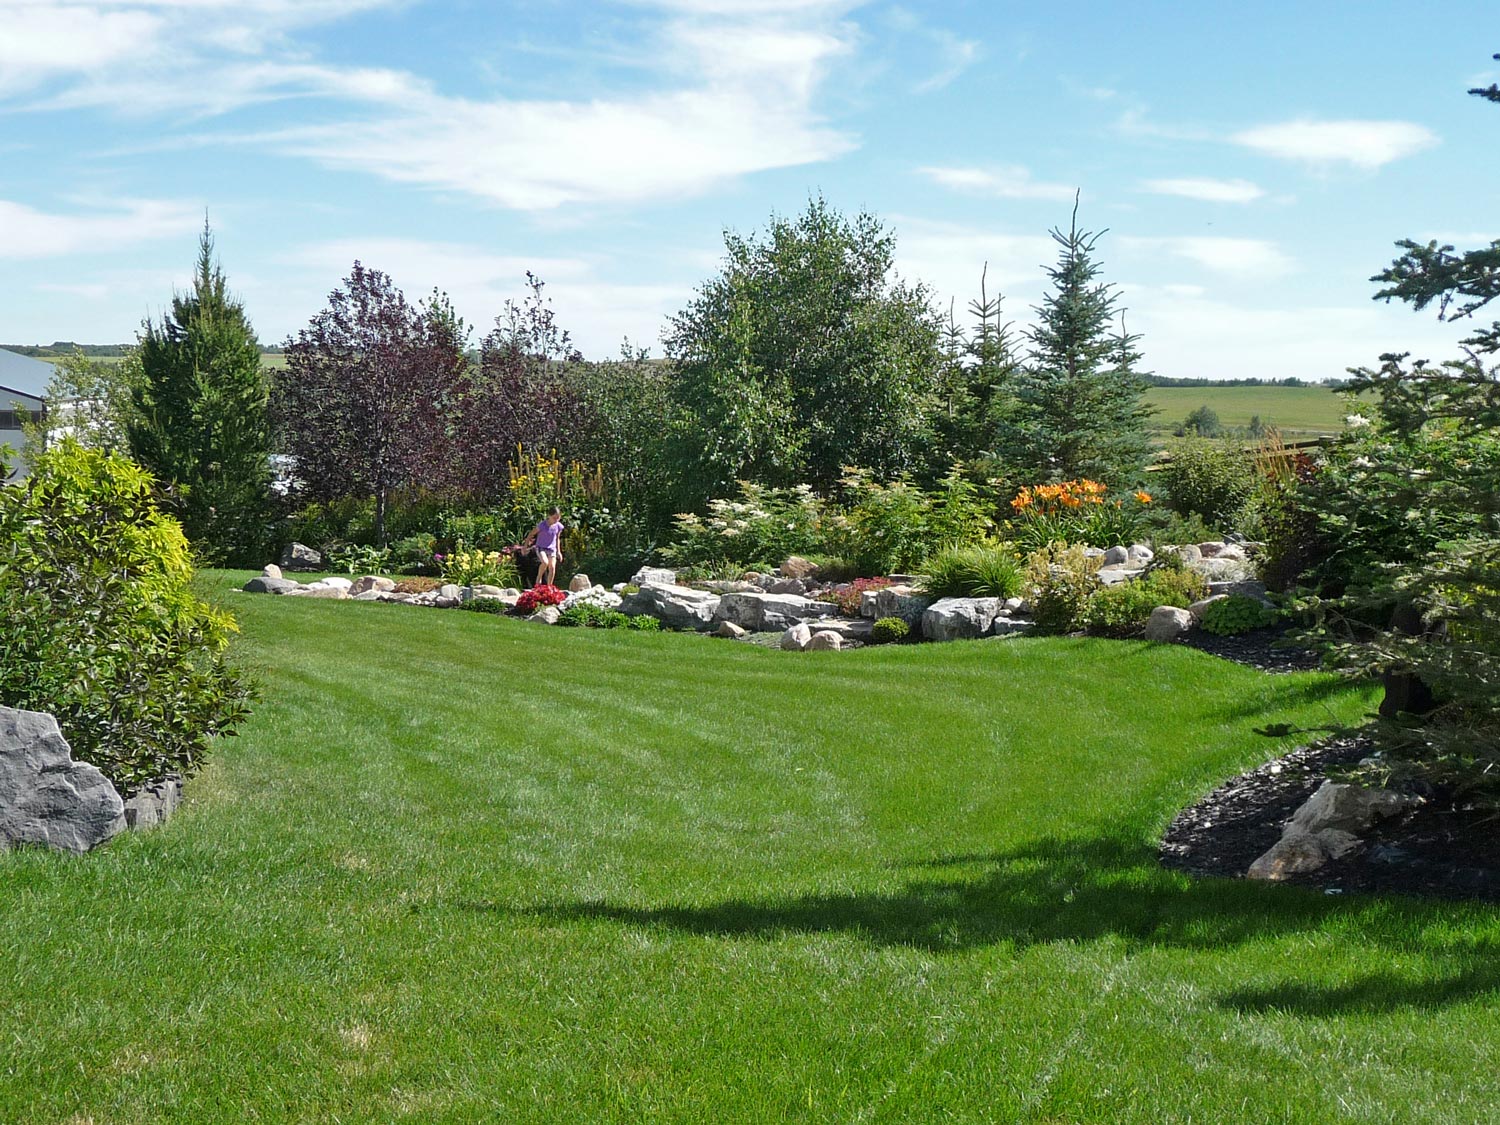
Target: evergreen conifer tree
<point x="199" y="418"/>
<point x="1079" y="409"/>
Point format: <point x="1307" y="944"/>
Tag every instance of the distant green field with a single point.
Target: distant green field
<point x="1294" y="411"/>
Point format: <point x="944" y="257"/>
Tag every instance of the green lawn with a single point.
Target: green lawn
<point x="1298" y="412"/>
<point x="460" y="868"/>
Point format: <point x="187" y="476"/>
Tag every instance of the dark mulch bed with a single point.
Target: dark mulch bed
<point x="1437" y="849"/>
<point x="1259" y="648"/>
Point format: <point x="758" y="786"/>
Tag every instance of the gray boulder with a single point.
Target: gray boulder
<point x="271" y="570"/>
<point x="1197" y="608"/>
<point x="1188" y="553"/>
<point x="901" y="601"/>
<point x="1298" y="853"/>
<point x="1167" y="623"/>
<point x="1211" y="549"/>
<point x="955" y="619"/>
<point x="797" y="638"/>
<point x="729" y="630"/>
<point x="1348" y="808"/>
<point x="1114" y="575"/>
<point x="849" y="629"/>
<point x="1116" y="556"/>
<point x="47" y="798"/>
<point x="300" y="557"/>
<point x="579" y="583"/>
<point x="654" y="576"/>
<point x="1010" y="627"/>
<point x="797" y="567"/>
<point x="1250" y="588"/>
<point x="367" y="596"/>
<point x="451" y="591"/>
<point x="546" y="615"/>
<point x="766" y="612"/>
<point x="786" y="586"/>
<point x="1140" y="554"/>
<point x="318" y="590"/>
<point x="378" y="582"/>
<point x="825" y="640"/>
<point x="154" y="803"/>
<point x="681" y="607"/>
<point x="265" y="585"/>
<point x="1224" y="569"/>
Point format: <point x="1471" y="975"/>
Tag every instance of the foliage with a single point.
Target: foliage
<point x="1123" y="608"/>
<point x="98" y="397"/>
<point x="973" y="572"/>
<point x="1236" y="613"/>
<point x="1060" y="580"/>
<point x="644" y="623"/>
<point x="414" y="554"/>
<point x="1202" y="421"/>
<point x="834" y="568"/>
<point x="976" y="390"/>
<point x="361" y="560"/>
<point x="887" y="528"/>
<point x="803" y="355"/>
<point x="593" y="616"/>
<point x="472" y="566"/>
<point x="99" y="624"/>
<point x="364" y="403"/>
<point x="539" y="596"/>
<point x="199" y="418"/>
<point x="764" y="526"/>
<point x="1211" y="480"/>
<point x="889" y="630"/>
<point x="484" y="605"/>
<point x="850" y="595"/>
<point x="1076" y="511"/>
<point x="1079" y="409"/>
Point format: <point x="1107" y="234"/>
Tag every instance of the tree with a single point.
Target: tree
<point x="1079" y="409"/>
<point x="370" y="388"/>
<point x="1202" y="422"/>
<point x="804" y="355"/>
<point x="977" y="388"/>
<point x="199" y="418"/>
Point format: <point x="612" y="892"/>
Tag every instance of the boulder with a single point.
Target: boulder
<point x="1232" y="551"/>
<point x="579" y="583"/>
<point x="1348" y="808"/>
<point x="766" y="612"/>
<point x="848" y="628"/>
<point x="267" y="585"/>
<point x="547" y="615"/>
<point x="797" y="638"/>
<point x="797" y="567"/>
<point x="451" y="591"/>
<point x="654" y="576"/>
<point x="1298" y="853"/>
<point x="1197" y="608"/>
<point x="1211" y="549"/>
<point x="954" y="619"/>
<point x="1010" y="627"/>
<point x="300" y="557"/>
<point x="1167" y="623"/>
<point x="786" y="586"/>
<point x="1113" y="576"/>
<point x="1224" y="569"/>
<point x="319" y="590"/>
<point x="1116" y="556"/>
<point x="1013" y="606"/>
<point x="372" y="582"/>
<point x="900" y="601"/>
<point x="680" y="607"/>
<point x="1140" y="554"/>
<point x="367" y="596"/>
<point x="270" y="570"/>
<point x="338" y="582"/>
<point x="46" y="798"/>
<point x="1189" y="553"/>
<point x="1093" y="552"/>
<point x="729" y="630"/>
<point x="153" y="803"/>
<point x="825" y="640"/>
<point x="1250" y="588"/>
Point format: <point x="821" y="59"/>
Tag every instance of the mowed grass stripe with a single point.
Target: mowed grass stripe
<point x="465" y="869"/>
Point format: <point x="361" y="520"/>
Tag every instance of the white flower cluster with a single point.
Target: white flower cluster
<point x="594" y="595"/>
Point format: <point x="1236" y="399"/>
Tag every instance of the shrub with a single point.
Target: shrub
<point x="467" y="566"/>
<point x="850" y="596"/>
<point x="764" y="524"/>
<point x="1123" y="608"/>
<point x="1076" y="511"/>
<point x="974" y="572"/>
<point x="413" y="555"/>
<point x="643" y="624"/>
<point x="832" y="568"/>
<point x="483" y="605"/>
<point x="538" y="596"/>
<point x="578" y="614"/>
<point x="99" y="624"/>
<point x="361" y="560"/>
<point x="1060" y="580"/>
<point x="889" y="630"/>
<point x="1212" y="480"/>
<point x="1237" y="614"/>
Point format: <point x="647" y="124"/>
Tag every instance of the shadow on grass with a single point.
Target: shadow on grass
<point x="1091" y="889"/>
<point x="1377" y="992"/>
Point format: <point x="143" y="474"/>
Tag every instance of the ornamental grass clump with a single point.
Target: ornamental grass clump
<point x="974" y="572"/>
<point x="99" y="624"/>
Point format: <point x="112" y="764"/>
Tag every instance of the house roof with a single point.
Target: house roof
<point x="22" y="375"/>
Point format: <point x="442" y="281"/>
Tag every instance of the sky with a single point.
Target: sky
<point x="1251" y="165"/>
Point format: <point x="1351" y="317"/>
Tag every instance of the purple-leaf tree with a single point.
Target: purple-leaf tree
<point x="370" y="384"/>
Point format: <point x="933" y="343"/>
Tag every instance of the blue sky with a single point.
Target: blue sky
<point x="1253" y="162"/>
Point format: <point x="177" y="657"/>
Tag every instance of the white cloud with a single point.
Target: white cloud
<point x="26" y="232"/>
<point x="1235" y="257"/>
<point x="1208" y="190"/>
<point x="1362" y="144"/>
<point x="1007" y="182"/>
<point x="957" y="55"/>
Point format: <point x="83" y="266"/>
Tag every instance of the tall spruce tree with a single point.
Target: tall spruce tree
<point x="1079" y="409"/>
<point x="978" y="383"/>
<point x="199" y="417"/>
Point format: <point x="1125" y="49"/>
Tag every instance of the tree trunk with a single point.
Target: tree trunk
<point x="1406" y="693"/>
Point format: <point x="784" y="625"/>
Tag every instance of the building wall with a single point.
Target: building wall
<point x="11" y="410"/>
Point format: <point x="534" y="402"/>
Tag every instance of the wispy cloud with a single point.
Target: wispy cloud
<point x="1362" y="144"/>
<point x="26" y="232"/>
<point x="1005" y="182"/>
<point x="1234" y="257"/>
<point x="957" y="55"/>
<point x="1207" y="189"/>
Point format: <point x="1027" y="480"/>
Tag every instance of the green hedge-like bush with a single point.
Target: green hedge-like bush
<point x="484" y="605"/>
<point x="643" y="624"/>
<point x="1122" y="609"/>
<point x="1237" y="614"/>
<point x="974" y="572"/>
<point x="889" y="630"/>
<point x="1208" y="479"/>
<point x="99" y="624"/>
